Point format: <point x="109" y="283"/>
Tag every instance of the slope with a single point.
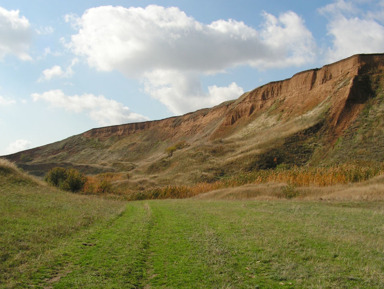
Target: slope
<point x="320" y="116"/>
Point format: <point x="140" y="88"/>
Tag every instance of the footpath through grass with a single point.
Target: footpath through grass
<point x="189" y="244"/>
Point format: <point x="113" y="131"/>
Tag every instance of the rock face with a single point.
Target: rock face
<point x="339" y="81"/>
<point x="300" y="120"/>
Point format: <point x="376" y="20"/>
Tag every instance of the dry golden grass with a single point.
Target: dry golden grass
<point x="102" y="183"/>
<point x="371" y="190"/>
<point x="5" y="164"/>
<point x="339" y="182"/>
<point x="249" y="192"/>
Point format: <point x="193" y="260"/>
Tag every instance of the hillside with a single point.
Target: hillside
<point x="323" y="116"/>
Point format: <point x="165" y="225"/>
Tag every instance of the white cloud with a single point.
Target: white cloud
<point x="170" y="51"/>
<point x="5" y="101"/>
<point x="72" y="19"/>
<point x="15" y="34"/>
<point x="287" y="37"/>
<point x="137" y="40"/>
<point x="182" y="92"/>
<point x="48" y="51"/>
<point x="69" y="70"/>
<point x="338" y="7"/>
<point x="219" y="94"/>
<point x="353" y="29"/>
<point x="102" y="110"/>
<point x="57" y="71"/>
<point x="48" y="74"/>
<point x="18" y="145"/>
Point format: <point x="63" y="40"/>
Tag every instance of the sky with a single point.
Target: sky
<point x="70" y="66"/>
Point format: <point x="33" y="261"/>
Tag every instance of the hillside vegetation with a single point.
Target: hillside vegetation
<point x="319" y="119"/>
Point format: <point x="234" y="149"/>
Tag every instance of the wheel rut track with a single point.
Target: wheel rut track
<point x="142" y="263"/>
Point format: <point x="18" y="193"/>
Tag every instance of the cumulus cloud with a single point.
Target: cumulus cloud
<point x="57" y="71"/>
<point x="182" y="92"/>
<point x="353" y="29"/>
<point x="170" y="51"/>
<point x="102" y="110"/>
<point x="291" y="42"/>
<point x="15" y="34"/>
<point x="18" y="145"/>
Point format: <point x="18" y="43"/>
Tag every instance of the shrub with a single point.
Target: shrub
<point x="180" y="145"/>
<point x="170" y="150"/>
<point x="56" y="176"/>
<point x="66" y="179"/>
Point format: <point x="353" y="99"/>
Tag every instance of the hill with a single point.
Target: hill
<point x="332" y="115"/>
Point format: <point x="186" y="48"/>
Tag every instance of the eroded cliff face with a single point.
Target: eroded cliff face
<point x="192" y="125"/>
<point x="339" y="83"/>
<point x="342" y="84"/>
<point x="287" y="117"/>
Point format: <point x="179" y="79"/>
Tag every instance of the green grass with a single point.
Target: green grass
<point x="58" y="240"/>
<point x="54" y="239"/>
<point x="36" y="220"/>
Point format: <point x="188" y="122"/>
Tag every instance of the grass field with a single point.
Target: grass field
<point x="53" y="239"/>
<point x="192" y="244"/>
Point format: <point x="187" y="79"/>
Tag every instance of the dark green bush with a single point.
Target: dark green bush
<point x="66" y="179"/>
<point x="56" y="176"/>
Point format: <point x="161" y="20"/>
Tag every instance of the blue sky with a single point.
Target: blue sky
<point x="69" y="66"/>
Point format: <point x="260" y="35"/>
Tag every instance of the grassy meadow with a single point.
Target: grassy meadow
<point x="54" y="239"/>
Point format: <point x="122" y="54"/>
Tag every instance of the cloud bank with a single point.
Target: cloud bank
<point x="102" y="110"/>
<point x="170" y="51"/>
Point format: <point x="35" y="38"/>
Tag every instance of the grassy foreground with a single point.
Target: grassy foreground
<point x="51" y="239"/>
<point x="37" y="223"/>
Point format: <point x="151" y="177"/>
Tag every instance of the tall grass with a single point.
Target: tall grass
<point x="296" y="176"/>
<point x="308" y="176"/>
